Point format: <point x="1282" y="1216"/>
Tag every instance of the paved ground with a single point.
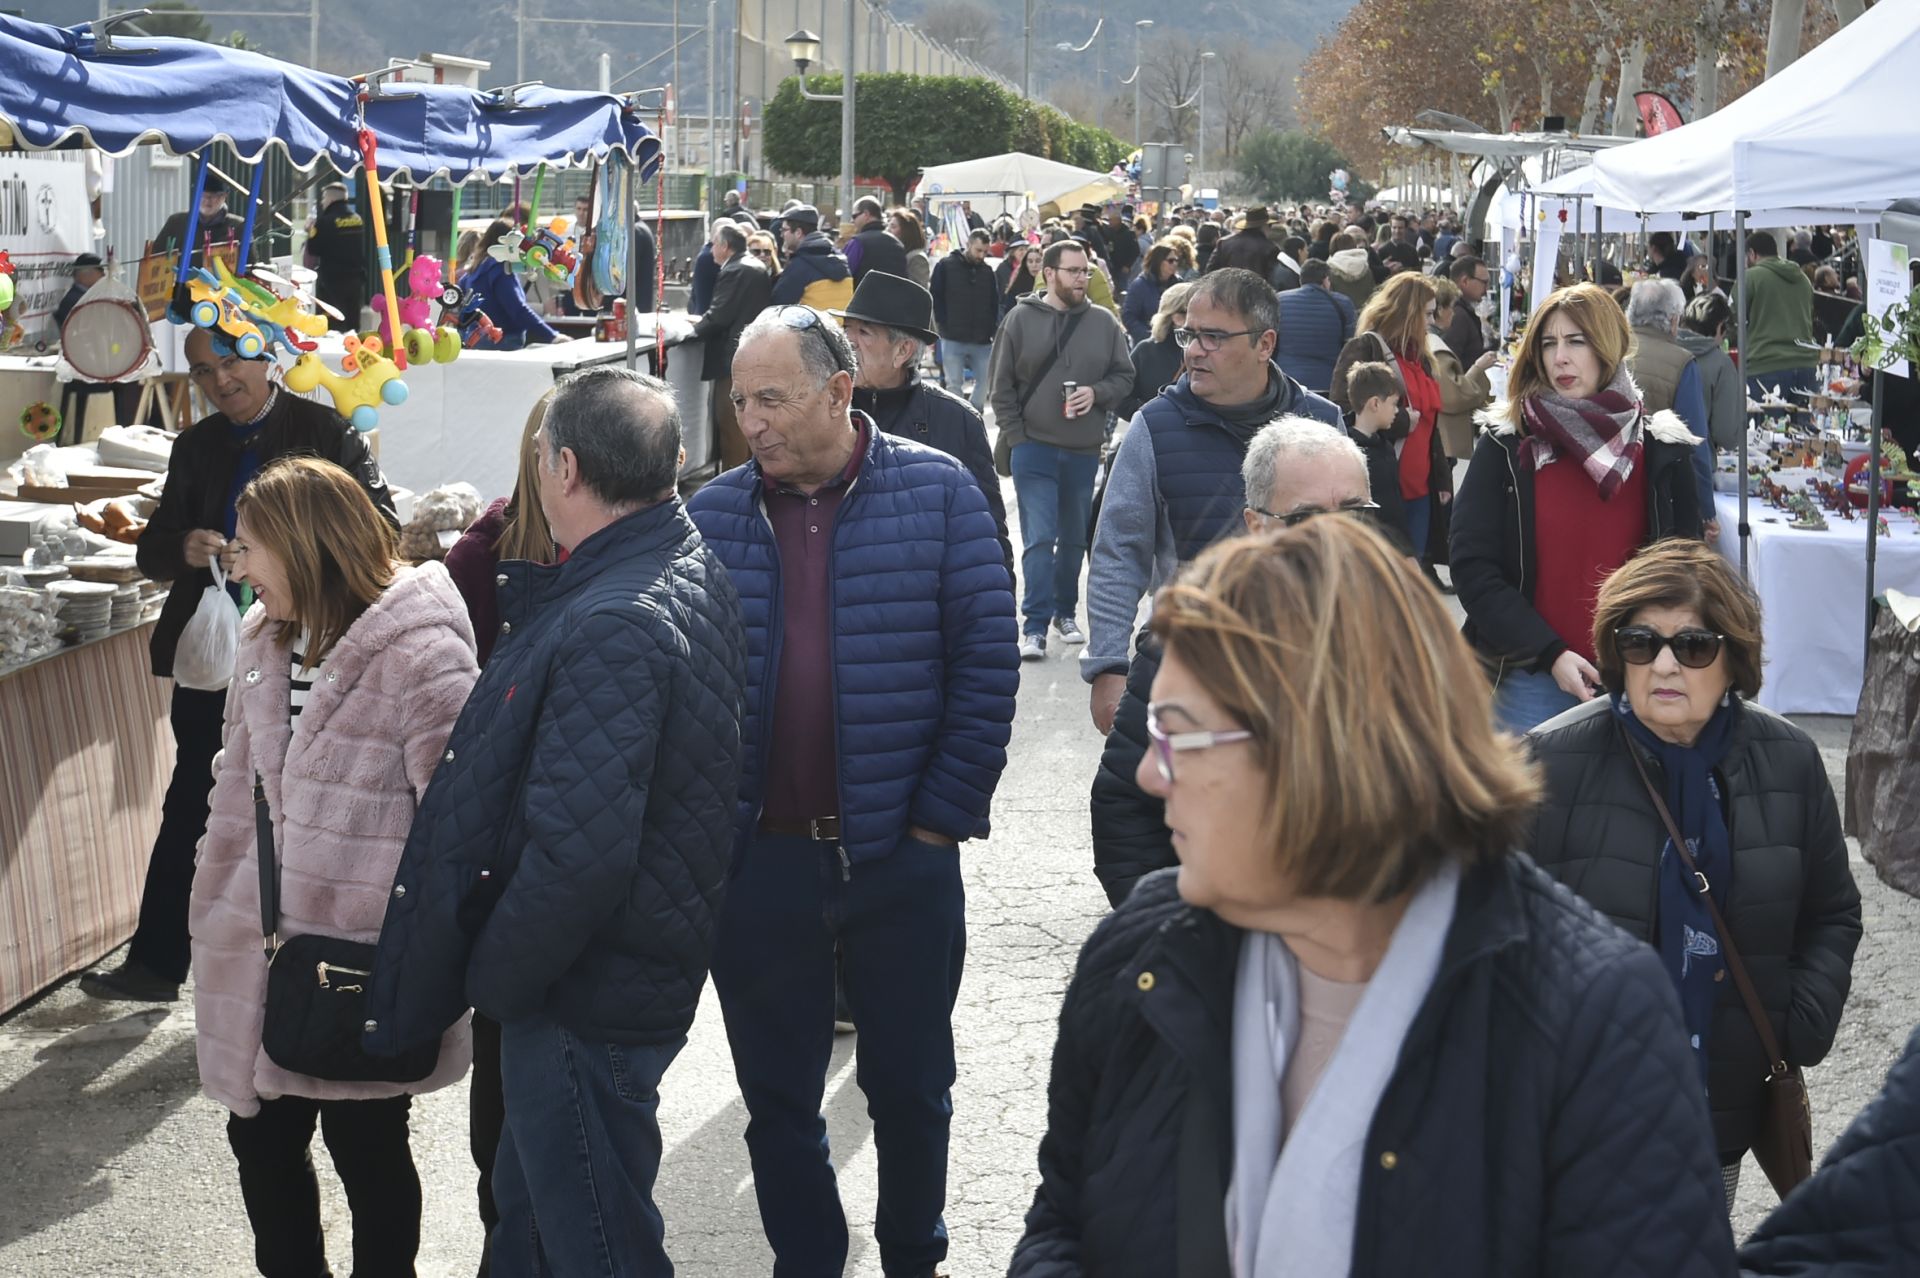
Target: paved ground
<point x="112" y="1163"/>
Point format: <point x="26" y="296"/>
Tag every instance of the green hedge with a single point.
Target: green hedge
<point x="904" y="123"/>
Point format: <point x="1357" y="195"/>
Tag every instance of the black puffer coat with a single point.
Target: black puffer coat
<point x="1792" y="905"/>
<point x="1130" y="838"/>
<point x="1542" y="1119"/>
<point x="1856" y="1217"/>
<point x="569" y="858"/>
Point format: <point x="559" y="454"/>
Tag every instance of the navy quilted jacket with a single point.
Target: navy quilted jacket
<point x="925" y="665"/>
<point x="1544" y="1119"/>
<point x="569" y="856"/>
<point x="1856" y="1217"/>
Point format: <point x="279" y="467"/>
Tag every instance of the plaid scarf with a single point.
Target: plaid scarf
<point x="1602" y="433"/>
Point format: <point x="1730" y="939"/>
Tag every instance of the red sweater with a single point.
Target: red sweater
<point x="1578" y="542"/>
<point x="1416" y="458"/>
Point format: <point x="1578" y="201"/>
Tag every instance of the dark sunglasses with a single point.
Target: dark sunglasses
<point x="1694" y="649"/>
<point x="1294" y="518"/>
<point x="802" y="318"/>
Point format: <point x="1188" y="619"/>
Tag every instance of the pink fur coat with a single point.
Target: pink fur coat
<point x="342" y="790"/>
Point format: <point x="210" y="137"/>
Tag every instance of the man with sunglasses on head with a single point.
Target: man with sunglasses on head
<point x="1176" y="484"/>
<point x="880" y="691"/>
<point x="1059" y="366"/>
<point x="1295" y="469"/>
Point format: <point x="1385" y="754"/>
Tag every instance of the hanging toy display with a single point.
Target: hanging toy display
<point x="40" y="422"/>
<point x="367" y="379"/>
<point x="6" y="281"/>
<point x="547" y="252"/>
<point x="612" y="234"/>
<point x="423" y="340"/>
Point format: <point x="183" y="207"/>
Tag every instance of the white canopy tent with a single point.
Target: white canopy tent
<point x="1832" y="131"/>
<point x="1835" y="129"/>
<point x="1014" y="182"/>
<point x="1589" y="211"/>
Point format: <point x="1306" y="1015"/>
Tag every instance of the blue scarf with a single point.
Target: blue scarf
<point x="1689" y="943"/>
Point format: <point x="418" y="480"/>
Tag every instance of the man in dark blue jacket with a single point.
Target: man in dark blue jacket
<point x="566" y="867"/>
<point x="1315" y="322"/>
<point x="1175" y="487"/>
<point x="880" y="698"/>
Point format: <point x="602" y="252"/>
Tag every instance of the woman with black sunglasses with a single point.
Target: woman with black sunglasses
<point x="1677" y="634"/>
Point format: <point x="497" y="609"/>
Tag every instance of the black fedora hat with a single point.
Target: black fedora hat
<point x="891" y="301"/>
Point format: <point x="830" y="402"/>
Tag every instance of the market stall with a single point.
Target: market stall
<point x="1013" y="183"/>
<point x="88" y="757"/>
<point x="1809" y="583"/>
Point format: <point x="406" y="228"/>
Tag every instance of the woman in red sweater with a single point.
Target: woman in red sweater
<point x="1393" y="330"/>
<point x="1573" y="477"/>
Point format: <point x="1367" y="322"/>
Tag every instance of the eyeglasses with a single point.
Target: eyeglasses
<point x="1207" y="339"/>
<point x="766" y="253"/>
<point x="1294" y="518"/>
<point x="1694" y="649"/>
<point x="1071" y="270"/>
<point x="802" y="318"/>
<point x="1166" y="745"/>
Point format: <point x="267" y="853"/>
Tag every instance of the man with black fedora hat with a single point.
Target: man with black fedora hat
<point x="1248" y="248"/>
<point x="890" y="321"/>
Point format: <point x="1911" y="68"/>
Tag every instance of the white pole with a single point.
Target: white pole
<point x="846" y="119"/>
<point x="520" y="43"/>
<point x="713" y="84"/>
<point x="1740" y="311"/>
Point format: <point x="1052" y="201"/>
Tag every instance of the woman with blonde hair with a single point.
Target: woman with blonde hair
<point x="1392" y="329"/>
<point x="352" y="669"/>
<point x="512" y="528"/>
<point x="1354" y="1033"/>
<point x="761" y="244"/>
<point x="1157" y="359"/>
<point x="1571" y="478"/>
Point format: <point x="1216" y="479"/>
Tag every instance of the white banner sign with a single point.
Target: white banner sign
<point x="45" y="221"/>
<point x="1887" y="284"/>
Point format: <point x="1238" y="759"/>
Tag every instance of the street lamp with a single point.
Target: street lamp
<point x="1200" y="171"/>
<point x="1099" y="73"/>
<point x="1139" y="29"/>
<point x="803" y="47"/>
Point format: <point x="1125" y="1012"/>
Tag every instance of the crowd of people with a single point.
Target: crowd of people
<point x="1432" y="951"/>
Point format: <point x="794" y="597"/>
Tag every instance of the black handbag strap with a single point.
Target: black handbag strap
<point x="1748" y="995"/>
<point x="1066" y="339"/>
<point x="269" y="869"/>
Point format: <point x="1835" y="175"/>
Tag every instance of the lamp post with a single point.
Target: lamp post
<point x="1067" y="46"/>
<point x="1139" y="29"/>
<point x="1201" y="168"/>
<point x="804" y="47"/>
<point x="1026" y="75"/>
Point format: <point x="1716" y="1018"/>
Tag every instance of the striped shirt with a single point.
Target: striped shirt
<point x="300" y="685"/>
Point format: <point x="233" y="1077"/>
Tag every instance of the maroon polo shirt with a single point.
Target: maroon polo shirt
<point x="803" y="758"/>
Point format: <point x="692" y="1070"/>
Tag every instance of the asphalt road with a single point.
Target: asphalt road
<point x="112" y="1163"/>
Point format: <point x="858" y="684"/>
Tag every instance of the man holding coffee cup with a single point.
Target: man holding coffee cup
<point x="1059" y="367"/>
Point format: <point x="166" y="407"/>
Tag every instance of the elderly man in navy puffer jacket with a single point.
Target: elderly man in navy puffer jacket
<point x="881" y="676"/>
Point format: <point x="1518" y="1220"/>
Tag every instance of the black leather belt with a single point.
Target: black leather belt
<point x="819" y="829"/>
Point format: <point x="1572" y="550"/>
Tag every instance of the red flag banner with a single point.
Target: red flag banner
<point x="1657" y="115"/>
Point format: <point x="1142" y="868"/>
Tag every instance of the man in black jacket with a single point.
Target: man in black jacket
<point x="218" y="227"/>
<point x="873" y="247"/>
<point x="1295" y="469"/>
<point x="567" y="865"/>
<point x="887" y="324"/>
<point x="966" y="312"/>
<point x="254" y="422"/>
<point x="744" y="290"/>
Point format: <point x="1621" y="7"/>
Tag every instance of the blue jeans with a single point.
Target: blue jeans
<point x="573" y="1181"/>
<point x="954" y="359"/>
<point x="900" y="922"/>
<point x="1523" y="700"/>
<point x="1419" y="520"/>
<point x="1054" y="491"/>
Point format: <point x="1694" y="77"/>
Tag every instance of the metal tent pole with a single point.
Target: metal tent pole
<point x="1740" y="313"/>
<point x="1873" y="488"/>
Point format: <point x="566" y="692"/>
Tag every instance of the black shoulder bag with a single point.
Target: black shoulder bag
<point x="317" y="991"/>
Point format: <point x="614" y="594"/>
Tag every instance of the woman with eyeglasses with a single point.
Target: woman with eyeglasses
<point x="1392" y="329"/>
<point x="1572" y="476"/>
<point x="1678" y="638"/>
<point x="1354" y="1033"/>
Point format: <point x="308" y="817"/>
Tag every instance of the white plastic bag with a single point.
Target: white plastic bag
<point x="210" y="645"/>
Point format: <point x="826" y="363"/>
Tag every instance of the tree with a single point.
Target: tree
<point x="909" y="122"/>
<point x="1255" y="91"/>
<point x="176" y="18"/>
<point x="974" y="30"/>
<point x="1288" y="166"/>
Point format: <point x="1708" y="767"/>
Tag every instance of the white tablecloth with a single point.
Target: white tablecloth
<point x="1813" y="596"/>
<point x="463" y="421"/>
